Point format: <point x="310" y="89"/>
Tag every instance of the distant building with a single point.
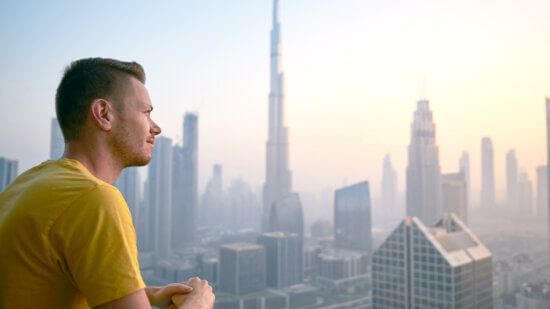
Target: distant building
<point x="284" y="258"/>
<point x="487" y="174"/>
<point x="542" y="190"/>
<point x="512" y="179"/>
<point x="242" y="268"/>
<point x="445" y="266"/>
<point x="454" y="196"/>
<point x="278" y="177"/>
<point x="339" y="264"/>
<point x="352" y="217"/>
<point x="534" y="296"/>
<point x="57" y="142"/>
<point x="129" y="185"/>
<point x="8" y="172"/>
<point x="242" y="207"/>
<point x="525" y="193"/>
<point x="321" y="229"/>
<point x="389" y="186"/>
<point x="287" y="215"/>
<point x="159" y="199"/>
<point x="464" y="168"/>
<point x="548" y="167"/>
<point x="423" y="171"/>
<point x="211" y="210"/>
<point x="185" y="184"/>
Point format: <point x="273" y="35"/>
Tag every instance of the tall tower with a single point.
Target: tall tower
<point x="129" y="185"/>
<point x="511" y="179"/>
<point x="185" y="184"/>
<point x="277" y="176"/>
<point x="423" y="171"/>
<point x="389" y="186"/>
<point x="487" y="173"/>
<point x="464" y="168"/>
<point x="159" y="198"/>
<point x="548" y="165"/>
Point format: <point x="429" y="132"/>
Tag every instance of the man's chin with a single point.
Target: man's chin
<point x="140" y="161"/>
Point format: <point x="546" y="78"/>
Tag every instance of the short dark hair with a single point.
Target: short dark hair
<point x="86" y="80"/>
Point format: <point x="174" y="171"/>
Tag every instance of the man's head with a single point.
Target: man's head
<point x="106" y="100"/>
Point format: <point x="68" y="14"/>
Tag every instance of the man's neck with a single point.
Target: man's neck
<point x="98" y="160"/>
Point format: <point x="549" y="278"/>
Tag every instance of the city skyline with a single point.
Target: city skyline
<point x="336" y="117"/>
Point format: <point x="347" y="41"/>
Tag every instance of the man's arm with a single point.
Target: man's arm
<point x="160" y="297"/>
<point x="137" y="300"/>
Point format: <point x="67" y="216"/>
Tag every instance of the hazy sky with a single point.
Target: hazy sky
<point x="353" y="70"/>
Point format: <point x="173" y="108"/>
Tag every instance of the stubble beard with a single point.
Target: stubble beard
<point x="127" y="153"/>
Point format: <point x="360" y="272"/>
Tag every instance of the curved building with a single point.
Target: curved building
<point x="286" y="215"/>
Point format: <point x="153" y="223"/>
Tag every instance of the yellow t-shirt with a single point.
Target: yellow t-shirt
<point x="66" y="240"/>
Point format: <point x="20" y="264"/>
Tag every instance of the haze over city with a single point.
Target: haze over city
<point x="353" y="73"/>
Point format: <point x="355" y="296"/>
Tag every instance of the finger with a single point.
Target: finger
<point x="178" y="298"/>
<point x="176" y="288"/>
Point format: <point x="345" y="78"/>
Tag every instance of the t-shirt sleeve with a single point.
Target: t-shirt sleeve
<point x="96" y="244"/>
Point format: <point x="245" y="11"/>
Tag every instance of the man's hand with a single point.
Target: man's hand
<point x="200" y="298"/>
<point x="161" y="297"/>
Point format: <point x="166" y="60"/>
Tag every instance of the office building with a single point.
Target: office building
<point x="352" y="217"/>
<point x="242" y="268"/>
<point x="487" y="174"/>
<point x="454" y="198"/>
<point x="8" y="172"/>
<point x="512" y="179"/>
<point x="284" y="258"/>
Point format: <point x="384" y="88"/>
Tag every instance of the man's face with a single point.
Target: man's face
<point x="133" y="129"/>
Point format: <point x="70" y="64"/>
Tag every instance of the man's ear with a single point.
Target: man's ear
<point x="101" y="112"/>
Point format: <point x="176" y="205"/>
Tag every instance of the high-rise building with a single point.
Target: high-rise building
<point x="129" y="185"/>
<point x="525" y="193"/>
<point x="444" y="266"/>
<point x="423" y="171"/>
<point x="542" y="190"/>
<point x="453" y="192"/>
<point x="211" y="210"/>
<point x="512" y="179"/>
<point x="278" y="177"/>
<point x="159" y="199"/>
<point x="352" y="217"/>
<point x="464" y="168"/>
<point x="57" y="143"/>
<point x="286" y="215"/>
<point x="548" y="167"/>
<point x="487" y="173"/>
<point x="8" y="172"/>
<point x="185" y="184"/>
<point x="284" y="258"/>
<point x="242" y="268"/>
<point x="389" y="186"/>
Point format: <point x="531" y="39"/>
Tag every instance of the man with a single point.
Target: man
<point x="66" y="234"/>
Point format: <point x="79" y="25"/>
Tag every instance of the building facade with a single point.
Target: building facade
<point x="487" y="174"/>
<point x="284" y="258"/>
<point x="242" y="268"/>
<point x="443" y="266"/>
<point x="8" y="172"/>
<point x="352" y="217"/>
<point x="454" y="196"/>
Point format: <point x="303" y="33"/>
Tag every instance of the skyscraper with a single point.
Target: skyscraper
<point x="278" y="176"/>
<point x="211" y="210"/>
<point x="286" y="215"/>
<point x="444" y="266"/>
<point x="352" y="217"/>
<point x="487" y="173"/>
<point x="284" y="258"/>
<point x="525" y="193"/>
<point x="453" y="192"/>
<point x="548" y="166"/>
<point x="129" y="185"/>
<point x="242" y="268"/>
<point x="389" y="186"/>
<point x="159" y="199"/>
<point x="185" y="184"/>
<point x="464" y="168"/>
<point x="512" y="179"/>
<point x="57" y="143"/>
<point x="423" y="171"/>
<point x="8" y="172"/>
<point x="542" y="190"/>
